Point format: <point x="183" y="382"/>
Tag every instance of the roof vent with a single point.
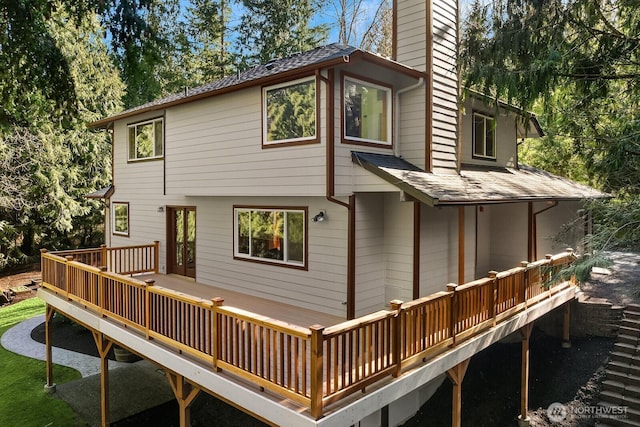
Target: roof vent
<point x="269" y="65"/>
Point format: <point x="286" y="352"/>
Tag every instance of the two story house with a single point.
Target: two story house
<point x="333" y="181"/>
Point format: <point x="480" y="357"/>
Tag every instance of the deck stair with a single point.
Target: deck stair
<point x="622" y="384"/>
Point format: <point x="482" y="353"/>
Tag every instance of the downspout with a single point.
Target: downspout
<point x="416" y="207"/>
<point x="428" y="123"/>
<point x="330" y="190"/>
<point x="461" y="249"/>
<point x="417" y="216"/>
<point x="107" y="202"/>
<point x="396" y="115"/>
<point x="535" y="227"/>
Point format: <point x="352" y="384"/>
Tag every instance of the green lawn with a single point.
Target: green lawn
<point x="23" y="402"/>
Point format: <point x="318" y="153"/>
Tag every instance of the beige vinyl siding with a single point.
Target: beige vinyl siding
<point x="370" y="255"/>
<point x="438" y="249"/>
<point x="483" y="246"/>
<point x="214" y="148"/>
<point x="411" y="37"/>
<point x="140" y="183"/>
<point x="470" y="244"/>
<point x="364" y="181"/>
<point x="508" y="235"/>
<point x="384" y="251"/>
<point x="445" y="86"/>
<point x="506" y="137"/>
<point x="347" y="178"/>
<point x="321" y="288"/>
<point x="398" y="246"/>
<point x="412" y="49"/>
<point x="411" y="127"/>
<point x="564" y="217"/>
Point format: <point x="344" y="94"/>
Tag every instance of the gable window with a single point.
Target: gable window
<point x="290" y="112"/>
<point x="271" y="235"/>
<point x="120" y="218"/>
<point x="484" y="136"/>
<point x="146" y="139"/>
<point x="367" y="112"/>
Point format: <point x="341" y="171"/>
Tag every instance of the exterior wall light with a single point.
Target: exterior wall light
<point x="321" y="216"/>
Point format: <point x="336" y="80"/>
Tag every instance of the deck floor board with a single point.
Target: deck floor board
<point x="276" y="310"/>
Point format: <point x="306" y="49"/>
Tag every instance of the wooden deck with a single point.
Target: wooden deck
<point x="307" y="357"/>
<point x="275" y="310"/>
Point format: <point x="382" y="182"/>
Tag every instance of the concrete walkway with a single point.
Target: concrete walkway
<point x="142" y="379"/>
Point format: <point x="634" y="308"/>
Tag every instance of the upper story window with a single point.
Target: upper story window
<point x="271" y="235"/>
<point x="484" y="136"/>
<point x="146" y="139"/>
<point x="120" y="218"/>
<point x="290" y="112"/>
<point x="367" y="112"/>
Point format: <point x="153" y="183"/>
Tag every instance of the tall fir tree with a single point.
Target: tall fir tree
<point x="271" y="29"/>
<point x="50" y="163"/>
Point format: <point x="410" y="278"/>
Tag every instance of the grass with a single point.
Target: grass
<point x="23" y="402"/>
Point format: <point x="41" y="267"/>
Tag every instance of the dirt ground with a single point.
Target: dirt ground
<point x="24" y="281"/>
<point x="491" y="388"/>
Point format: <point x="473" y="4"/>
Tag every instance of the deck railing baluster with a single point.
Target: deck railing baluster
<point x="315" y="366"/>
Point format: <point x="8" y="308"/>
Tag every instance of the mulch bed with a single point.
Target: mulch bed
<point x="68" y="335"/>
<point x="491" y="387"/>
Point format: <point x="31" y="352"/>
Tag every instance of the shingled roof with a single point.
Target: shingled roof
<point x="474" y="184"/>
<point x="324" y="56"/>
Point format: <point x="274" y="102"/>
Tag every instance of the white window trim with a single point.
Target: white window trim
<point x="285" y="262"/>
<point x="113" y="210"/>
<point x="134" y="125"/>
<point x="389" y="93"/>
<point x="265" y="121"/>
<point x="485" y="118"/>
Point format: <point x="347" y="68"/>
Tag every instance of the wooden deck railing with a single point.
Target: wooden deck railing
<point x="313" y="366"/>
<point x="126" y="260"/>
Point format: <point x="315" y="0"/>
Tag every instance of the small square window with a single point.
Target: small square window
<point x="120" y="218"/>
<point x="484" y="136"/>
<point x="146" y="139"/>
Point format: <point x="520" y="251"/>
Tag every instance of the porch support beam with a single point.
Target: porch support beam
<point x="185" y="393"/>
<point x="566" y="326"/>
<point x="456" y="375"/>
<point x="50" y="386"/>
<point x="104" y="346"/>
<point x="461" y="245"/>
<point x="525" y="331"/>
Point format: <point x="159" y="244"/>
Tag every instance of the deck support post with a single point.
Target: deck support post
<point x="185" y="393"/>
<point x="523" y="420"/>
<point x="50" y="386"/>
<point x="456" y="375"/>
<point x="104" y="346"/>
<point x="566" y="326"/>
<point x="317" y="368"/>
<point x="461" y="250"/>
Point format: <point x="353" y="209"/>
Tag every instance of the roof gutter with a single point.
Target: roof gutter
<point x="355" y="56"/>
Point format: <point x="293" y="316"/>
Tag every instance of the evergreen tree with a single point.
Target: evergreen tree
<point x="271" y="29"/>
<point x="578" y="63"/>
<point x="51" y="162"/>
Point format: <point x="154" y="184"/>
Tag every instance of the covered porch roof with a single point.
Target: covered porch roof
<point x="474" y="184"/>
